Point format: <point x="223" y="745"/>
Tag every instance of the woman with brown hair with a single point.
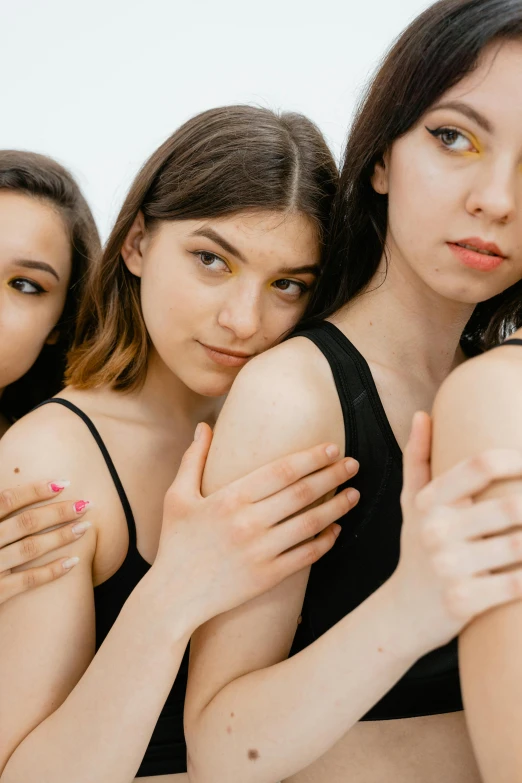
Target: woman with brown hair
<point x="427" y="236"/>
<point x="211" y="261"/>
<point x="48" y="238"/>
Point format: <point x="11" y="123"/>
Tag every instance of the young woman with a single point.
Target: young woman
<point x="428" y="224"/>
<point x="211" y="261"/>
<point x="478" y="405"/>
<point x="47" y="240"/>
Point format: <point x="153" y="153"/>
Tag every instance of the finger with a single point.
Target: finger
<point x="306" y="554"/>
<point x="13" y="499"/>
<point x="470" y="477"/>
<point x="33" y="520"/>
<point x="489" y="517"/>
<point x="34" y="546"/>
<point x="476" y="595"/>
<point x="305" y="492"/>
<point x="190" y="473"/>
<point x="283" y="472"/>
<point x="312" y="522"/>
<point x="14" y="584"/>
<point x="416" y="458"/>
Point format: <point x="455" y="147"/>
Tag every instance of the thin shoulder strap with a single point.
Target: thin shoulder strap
<point x="107" y="457"/>
<point x="513" y="341"/>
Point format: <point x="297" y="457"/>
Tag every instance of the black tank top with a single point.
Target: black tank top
<point x="167" y="752"/>
<point x="367" y="551"/>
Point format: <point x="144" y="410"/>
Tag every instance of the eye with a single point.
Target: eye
<point x="211" y="261"/>
<point x="452" y="139"/>
<point x="26" y="286"/>
<point x="294" y="288"/>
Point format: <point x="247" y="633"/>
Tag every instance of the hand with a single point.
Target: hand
<point x="451" y="546"/>
<point x="229" y="547"/>
<point x="21" y="539"/>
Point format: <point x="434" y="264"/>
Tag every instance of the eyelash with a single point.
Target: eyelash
<point x="438" y="133"/>
<point x="39" y="290"/>
<point x="304" y="289"/>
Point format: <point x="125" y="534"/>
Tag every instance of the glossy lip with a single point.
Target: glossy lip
<point x="474" y="258"/>
<point x="226" y="358"/>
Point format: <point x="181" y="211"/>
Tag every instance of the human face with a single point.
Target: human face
<point x="456" y="179"/>
<point x="216" y="292"/>
<point x="35" y="266"/>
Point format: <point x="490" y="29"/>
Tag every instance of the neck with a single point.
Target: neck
<point x="399" y="321"/>
<point x="165" y="399"/>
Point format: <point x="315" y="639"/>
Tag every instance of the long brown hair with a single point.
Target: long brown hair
<point x="437" y="50"/>
<point x="41" y="177"/>
<point x="218" y="163"/>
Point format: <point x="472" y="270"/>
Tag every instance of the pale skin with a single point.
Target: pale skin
<point x="35" y="267"/>
<point x="71" y="714"/>
<point x="478" y="406"/>
<point x="251" y="714"/>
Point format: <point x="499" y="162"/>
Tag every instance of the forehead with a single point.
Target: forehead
<point x="284" y="236"/>
<point x="31" y="229"/>
<point x="494" y="87"/>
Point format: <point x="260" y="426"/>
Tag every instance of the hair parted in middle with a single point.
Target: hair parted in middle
<point x="221" y="162"/>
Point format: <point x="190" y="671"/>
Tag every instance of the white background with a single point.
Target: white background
<point x="98" y="84"/>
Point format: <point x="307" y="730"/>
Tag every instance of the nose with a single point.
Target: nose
<point x="241" y="313"/>
<point x="494" y="193"/>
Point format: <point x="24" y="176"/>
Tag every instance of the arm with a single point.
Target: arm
<point x="66" y="714"/>
<point x="479" y="407"/>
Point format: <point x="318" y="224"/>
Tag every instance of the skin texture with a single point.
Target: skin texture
<point x="99" y="714"/>
<point x="477" y="407"/>
<point x="407" y="326"/>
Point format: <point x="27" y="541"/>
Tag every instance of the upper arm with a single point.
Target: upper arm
<point x="277" y="405"/>
<point x="479" y="408"/>
<point x="46" y="634"/>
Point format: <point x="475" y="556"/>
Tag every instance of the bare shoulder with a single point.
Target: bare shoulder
<point x="282" y="401"/>
<point x="479" y="405"/>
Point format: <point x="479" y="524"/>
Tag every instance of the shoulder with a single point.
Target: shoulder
<point x="282" y="401"/>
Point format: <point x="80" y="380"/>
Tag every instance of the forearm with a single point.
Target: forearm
<point x="102" y="729"/>
<point x="271" y="723"/>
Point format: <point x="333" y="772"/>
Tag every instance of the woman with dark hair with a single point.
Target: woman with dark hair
<point x="48" y="238"/>
<point x="427" y="237"/>
<point x="211" y="260"/>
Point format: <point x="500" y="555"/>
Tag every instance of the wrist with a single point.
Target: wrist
<point x="405" y="636"/>
<point x="166" y="608"/>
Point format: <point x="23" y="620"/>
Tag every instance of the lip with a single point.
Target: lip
<point x="225" y="357"/>
<point x="482" y="256"/>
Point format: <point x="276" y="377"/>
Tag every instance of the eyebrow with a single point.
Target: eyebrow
<point x="42" y="265"/>
<point x="468" y="111"/>
<point x="213" y="235"/>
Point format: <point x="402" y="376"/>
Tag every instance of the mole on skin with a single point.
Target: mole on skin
<point x="17" y="470"/>
<point x="253" y="754"/>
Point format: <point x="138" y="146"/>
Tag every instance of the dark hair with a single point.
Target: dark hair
<point x="220" y="162"/>
<point x="41" y="177"/>
<point x="438" y="49"/>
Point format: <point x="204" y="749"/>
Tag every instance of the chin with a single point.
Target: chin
<point x="211" y="385"/>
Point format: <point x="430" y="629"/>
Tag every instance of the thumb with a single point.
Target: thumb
<point x="190" y="473"/>
<point x="416" y="460"/>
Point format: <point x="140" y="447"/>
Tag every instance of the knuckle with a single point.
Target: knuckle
<point x="511" y="508"/>
<point x="63" y="512"/>
<point x="227" y="501"/>
<point x="457" y="599"/>
<point x="311" y="523"/>
<point x="29" y="548"/>
<point x="482" y="465"/>
<point x="29" y="579"/>
<point x="515" y="545"/>
<point x="445" y="563"/>
<point x="514" y="584"/>
<point x="303" y="494"/>
<point x="433" y="533"/>
<point x="285" y="471"/>
<point x="27" y="521"/>
<point x="7" y="501"/>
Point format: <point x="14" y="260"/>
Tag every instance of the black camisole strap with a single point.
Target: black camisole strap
<point x="108" y="461"/>
<point x="514" y="341"/>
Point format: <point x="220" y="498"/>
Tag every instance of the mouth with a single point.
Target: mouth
<point x="225" y="356"/>
<point x="477" y="254"/>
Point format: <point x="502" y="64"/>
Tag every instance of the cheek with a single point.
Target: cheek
<point x="21" y="340"/>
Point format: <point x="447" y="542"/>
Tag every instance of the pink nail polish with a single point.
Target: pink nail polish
<point x="57" y="486"/>
<point x="81" y="505"/>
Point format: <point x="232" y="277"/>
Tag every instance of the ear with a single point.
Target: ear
<point x="380" y="175"/>
<point x="132" y="247"/>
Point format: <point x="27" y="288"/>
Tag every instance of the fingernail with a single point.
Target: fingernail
<point x="353" y="495"/>
<point x="351" y="465"/>
<point x="197" y="432"/>
<point x="80" y="528"/>
<point x="81" y="505"/>
<point x="336" y="529"/>
<point x="332" y="451"/>
<point x="57" y="486"/>
<point x="70" y="563"/>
